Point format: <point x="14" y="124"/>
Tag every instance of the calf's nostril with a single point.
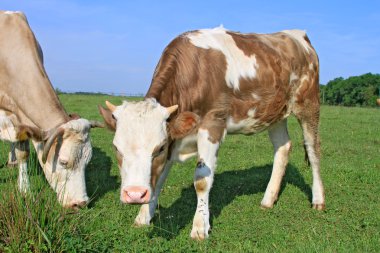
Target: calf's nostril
<point x="144" y="193"/>
<point x="137" y="194"/>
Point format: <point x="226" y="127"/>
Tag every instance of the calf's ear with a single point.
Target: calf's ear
<point x="28" y="132"/>
<point x="108" y="118"/>
<point x="183" y="124"/>
<point x="74" y="116"/>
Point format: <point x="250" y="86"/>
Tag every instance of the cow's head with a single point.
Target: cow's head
<point x="64" y="153"/>
<point x="144" y="132"/>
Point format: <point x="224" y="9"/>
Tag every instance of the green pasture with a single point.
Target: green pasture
<point x="350" y="171"/>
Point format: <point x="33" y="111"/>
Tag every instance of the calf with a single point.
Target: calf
<point x="208" y="83"/>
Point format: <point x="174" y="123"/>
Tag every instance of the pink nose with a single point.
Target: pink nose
<point x="135" y="195"/>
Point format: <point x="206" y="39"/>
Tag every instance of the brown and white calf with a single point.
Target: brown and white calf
<point x="30" y="109"/>
<point x="208" y="83"/>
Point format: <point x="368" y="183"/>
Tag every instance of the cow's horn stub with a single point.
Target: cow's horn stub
<point x="95" y="123"/>
<point x="57" y="132"/>
<point x="110" y="106"/>
<point x="172" y="109"/>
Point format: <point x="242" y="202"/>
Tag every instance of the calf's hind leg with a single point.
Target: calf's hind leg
<point x="279" y="137"/>
<point x="312" y="144"/>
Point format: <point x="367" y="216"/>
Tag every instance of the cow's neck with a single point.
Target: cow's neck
<point x="38" y="106"/>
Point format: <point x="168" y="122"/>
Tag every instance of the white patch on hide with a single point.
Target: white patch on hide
<point x="299" y="35"/>
<point x="293" y="77"/>
<point x="255" y="96"/>
<point x="184" y="148"/>
<point x="7" y="129"/>
<point x="245" y="126"/>
<point x="238" y="64"/>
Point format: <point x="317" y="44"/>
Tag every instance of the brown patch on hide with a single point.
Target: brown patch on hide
<point x="215" y="123"/>
<point x="200" y="184"/>
<point x="119" y="158"/>
<point x="182" y="125"/>
<point x="158" y="164"/>
<point x="23" y="77"/>
<point x="28" y="132"/>
<point x="186" y="75"/>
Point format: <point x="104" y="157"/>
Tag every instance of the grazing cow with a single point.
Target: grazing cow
<point x="208" y="83"/>
<point x="30" y="109"/>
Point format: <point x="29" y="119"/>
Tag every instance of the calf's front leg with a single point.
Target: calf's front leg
<point x="22" y="155"/>
<point x="146" y="212"/>
<point x="203" y="179"/>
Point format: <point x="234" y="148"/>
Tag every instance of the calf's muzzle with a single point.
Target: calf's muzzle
<point x="135" y="195"/>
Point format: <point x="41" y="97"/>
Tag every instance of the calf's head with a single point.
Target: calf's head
<point x="64" y="153"/>
<point x="144" y="132"/>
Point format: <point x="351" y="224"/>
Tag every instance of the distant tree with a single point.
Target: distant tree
<point x="58" y="91"/>
<point x="354" y="91"/>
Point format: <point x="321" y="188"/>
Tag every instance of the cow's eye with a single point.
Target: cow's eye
<point x="159" y="151"/>
<point x="117" y="150"/>
<point x="162" y="148"/>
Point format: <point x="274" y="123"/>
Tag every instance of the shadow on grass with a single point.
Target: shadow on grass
<point x="168" y="222"/>
<point x="99" y="180"/>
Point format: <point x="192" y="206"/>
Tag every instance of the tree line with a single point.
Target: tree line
<point x="361" y="90"/>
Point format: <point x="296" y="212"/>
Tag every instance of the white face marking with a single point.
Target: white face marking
<point x="69" y="180"/>
<point x="238" y="64"/>
<point x="300" y="37"/>
<point x="141" y="127"/>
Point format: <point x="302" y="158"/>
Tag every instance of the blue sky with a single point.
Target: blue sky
<point x="114" y="46"/>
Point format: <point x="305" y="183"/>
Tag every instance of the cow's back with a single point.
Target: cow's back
<point x="25" y="88"/>
<point x="249" y="80"/>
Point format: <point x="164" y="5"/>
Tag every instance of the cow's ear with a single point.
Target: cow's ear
<point x="108" y="118"/>
<point x="183" y="124"/>
<point x="74" y="116"/>
<point x="28" y="132"/>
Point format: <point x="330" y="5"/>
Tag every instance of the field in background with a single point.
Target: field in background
<point x="350" y="170"/>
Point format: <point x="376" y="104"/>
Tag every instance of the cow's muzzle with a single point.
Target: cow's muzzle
<point x="135" y="195"/>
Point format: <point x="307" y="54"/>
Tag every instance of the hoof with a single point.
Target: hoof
<point x="319" y="207"/>
<point x="141" y="222"/>
<point x="198" y="235"/>
<point x="139" y="225"/>
<point x="266" y="206"/>
<point x="11" y="164"/>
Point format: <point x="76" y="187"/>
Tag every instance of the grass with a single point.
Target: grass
<point x="350" y="171"/>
